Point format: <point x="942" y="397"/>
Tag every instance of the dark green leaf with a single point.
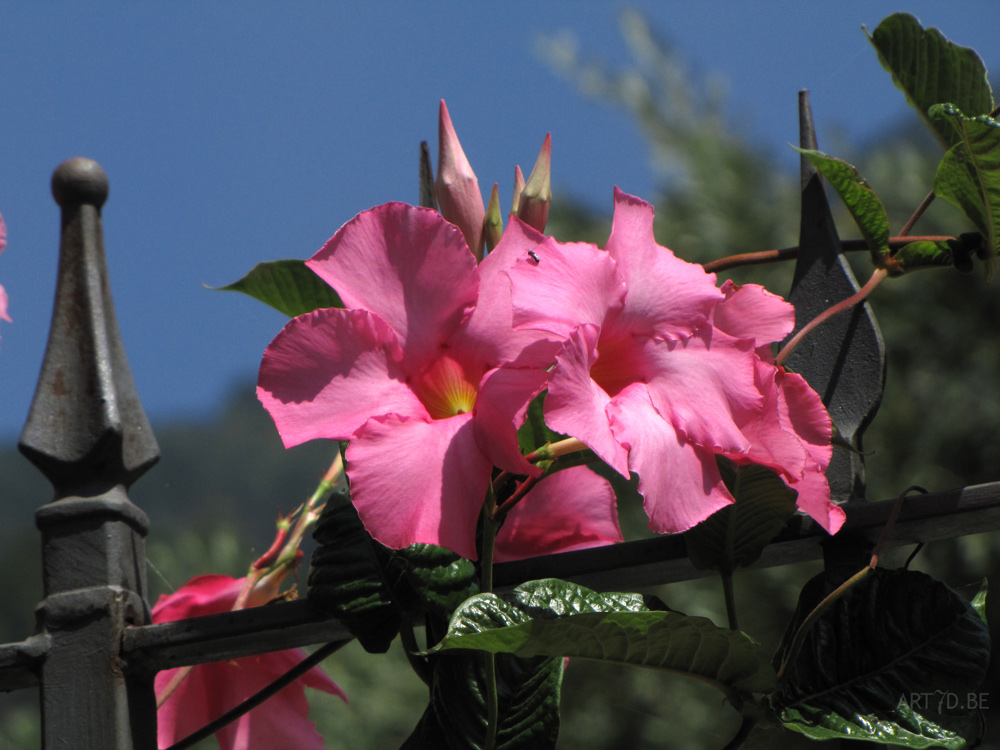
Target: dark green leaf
<point x="557" y="618"/>
<point x="979" y="602"/>
<point x="865" y="207"/>
<point x="871" y="663"/>
<point x="345" y="579"/>
<point x="918" y="255"/>
<point x="969" y="174"/>
<point x="528" y="693"/>
<point x="439" y="579"/>
<point x="737" y="534"/>
<point x="931" y="70"/>
<point x="288" y="286"/>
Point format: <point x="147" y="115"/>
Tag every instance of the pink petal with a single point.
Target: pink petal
<point x="571" y="509"/>
<point x="570" y="284"/>
<point x="3" y="305"/>
<point x="666" y="296"/>
<point x="209" y="690"/>
<point x="487" y="334"/>
<point x="699" y="383"/>
<point x="408" y="266"/>
<point x="576" y="405"/>
<point x="3" y="234"/>
<point x="751" y="312"/>
<point x="814" y="499"/>
<point x="419" y="482"/>
<point x="327" y="372"/>
<point x="679" y="481"/>
<point x="456" y="186"/>
<point x="503" y="399"/>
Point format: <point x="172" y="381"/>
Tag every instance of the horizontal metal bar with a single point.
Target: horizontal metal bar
<point x="627" y="566"/>
<point x="19" y="662"/>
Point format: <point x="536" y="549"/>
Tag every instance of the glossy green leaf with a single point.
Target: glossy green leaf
<point x="737" y="534"/>
<point x="979" y="602"/>
<point x="907" y="728"/>
<point x="528" y="704"/>
<point x="863" y="204"/>
<point x="288" y="286"/>
<point x="871" y="664"/>
<point x="931" y="70"/>
<point x="969" y="174"/>
<point x="534" y="433"/>
<point x="557" y="618"/>
<point x="345" y="578"/>
<point x="436" y="578"/>
<point x="917" y="255"/>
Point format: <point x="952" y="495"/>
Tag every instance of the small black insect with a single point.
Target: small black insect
<point x="534" y="256"/>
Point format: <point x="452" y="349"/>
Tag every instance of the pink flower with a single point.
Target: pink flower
<point x="3" y="294"/>
<point x="421" y="371"/>
<point x="569" y="510"/>
<point x="210" y="690"/>
<point x="661" y="371"/>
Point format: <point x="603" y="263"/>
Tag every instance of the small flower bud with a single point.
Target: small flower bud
<point x="456" y="186"/>
<point x="533" y="205"/>
<point x="493" y="225"/>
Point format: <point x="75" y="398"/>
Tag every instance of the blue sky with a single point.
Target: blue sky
<point x="236" y="132"/>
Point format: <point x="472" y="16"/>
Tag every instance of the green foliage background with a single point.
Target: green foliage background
<point x="220" y="483"/>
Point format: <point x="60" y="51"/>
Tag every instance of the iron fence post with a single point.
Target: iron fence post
<point x="87" y="432"/>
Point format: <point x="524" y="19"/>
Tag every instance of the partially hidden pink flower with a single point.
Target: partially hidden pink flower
<point x="569" y="510"/>
<point x="422" y="372"/>
<point x="661" y="371"/>
<point x="209" y="690"/>
<point x="3" y="293"/>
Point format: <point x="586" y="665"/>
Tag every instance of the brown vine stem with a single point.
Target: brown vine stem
<point x="858" y="296"/>
<point x="800" y="635"/>
<point x="791" y="253"/>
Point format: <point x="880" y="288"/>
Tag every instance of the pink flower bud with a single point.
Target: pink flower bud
<point x="493" y="226"/>
<point x="456" y="186"/>
<point x="533" y="205"/>
<point x="518" y="187"/>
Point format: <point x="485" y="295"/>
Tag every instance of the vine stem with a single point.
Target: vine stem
<point x="791" y="253"/>
<point x="858" y="296"/>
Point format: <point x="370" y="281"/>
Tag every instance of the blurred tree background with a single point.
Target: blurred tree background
<point x="220" y="484"/>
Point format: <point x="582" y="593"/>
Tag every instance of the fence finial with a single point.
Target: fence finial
<point x="86" y="430"/>
<point x="844" y="359"/>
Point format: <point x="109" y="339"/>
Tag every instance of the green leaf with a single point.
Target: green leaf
<point x="528" y="692"/>
<point x="534" y="433"/>
<point x="979" y="602"/>
<point x="969" y="174"/>
<point x="907" y="728"/>
<point x="737" y="534"/>
<point x="864" y="205"/>
<point x="917" y="255"/>
<point x="288" y="286"/>
<point x="931" y="70"/>
<point x="436" y="577"/>
<point x="345" y="579"/>
<point x="557" y="618"/>
<point x="870" y="664"/>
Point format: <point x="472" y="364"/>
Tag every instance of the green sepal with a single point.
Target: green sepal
<point x="930" y="70"/>
<point x="969" y="174"/>
<point x="871" y="663"/>
<point x="737" y="534"/>
<point x="863" y="204"/>
<point x="557" y="618"/>
<point x="345" y="578"/>
<point x="288" y="286"/>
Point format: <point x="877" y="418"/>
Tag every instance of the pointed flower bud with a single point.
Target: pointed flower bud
<point x="456" y="186"/>
<point x="518" y="188"/>
<point x="533" y="205"/>
<point x="493" y="225"/>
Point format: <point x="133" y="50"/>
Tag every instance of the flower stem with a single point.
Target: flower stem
<point x="490" y="526"/>
<point x="859" y="296"/>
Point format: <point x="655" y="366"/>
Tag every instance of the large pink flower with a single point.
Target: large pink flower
<point x="422" y="372"/>
<point x="661" y="371"/>
<point x="210" y="690"/>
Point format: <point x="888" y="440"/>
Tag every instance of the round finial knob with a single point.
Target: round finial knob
<point x="79" y="181"/>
